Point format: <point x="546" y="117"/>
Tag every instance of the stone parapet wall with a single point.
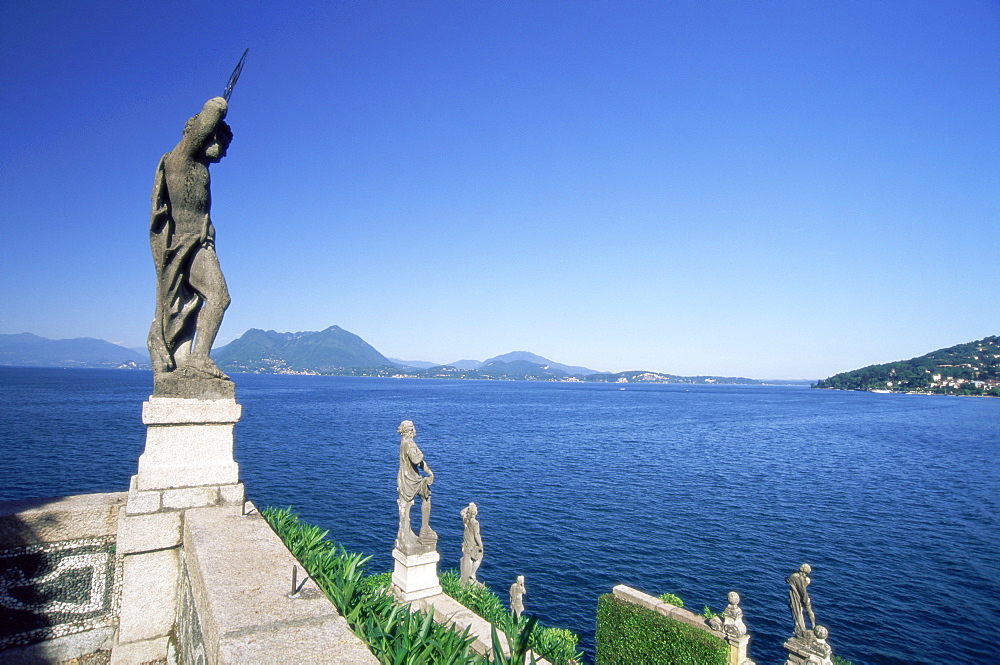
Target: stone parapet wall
<point x="227" y="573"/>
<point x="238" y="576"/>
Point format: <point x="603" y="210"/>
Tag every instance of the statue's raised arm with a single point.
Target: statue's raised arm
<point x="204" y="127"/>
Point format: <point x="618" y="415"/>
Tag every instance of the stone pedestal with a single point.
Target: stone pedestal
<point x="189" y="443"/>
<point x="738" y="648"/>
<point x="415" y="576"/>
<point x="808" y="650"/>
<point x="187" y="463"/>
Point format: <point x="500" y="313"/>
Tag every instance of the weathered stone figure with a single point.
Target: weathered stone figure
<point x="191" y="293"/>
<point x="410" y="484"/>
<point x="798" y="600"/>
<point x="472" y="545"/>
<point x="517" y="591"/>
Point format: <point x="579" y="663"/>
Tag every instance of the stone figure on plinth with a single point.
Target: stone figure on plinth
<point x="517" y="591"/>
<point x="472" y="545"/>
<point x="798" y="600"/>
<point x="410" y="483"/>
<point x="807" y="646"/>
<point x="191" y="293"/>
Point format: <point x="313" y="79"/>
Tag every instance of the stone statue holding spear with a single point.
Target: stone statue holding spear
<point x="191" y="292"/>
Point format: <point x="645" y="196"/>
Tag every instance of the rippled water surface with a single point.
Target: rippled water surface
<point x="698" y="490"/>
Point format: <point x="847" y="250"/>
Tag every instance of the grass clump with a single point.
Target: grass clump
<point x="672" y="599"/>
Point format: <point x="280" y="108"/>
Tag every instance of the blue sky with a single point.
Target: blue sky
<point x="767" y="189"/>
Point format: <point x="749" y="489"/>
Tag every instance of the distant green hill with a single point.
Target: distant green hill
<point x="972" y="368"/>
<point x="329" y="351"/>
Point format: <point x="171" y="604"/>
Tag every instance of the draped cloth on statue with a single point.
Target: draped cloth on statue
<point x="177" y="304"/>
<point x="409" y="482"/>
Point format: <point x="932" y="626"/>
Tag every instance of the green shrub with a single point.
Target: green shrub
<point x="477" y="597"/>
<point x="628" y="633"/>
<point x="672" y="599"/>
<point x="557" y="645"/>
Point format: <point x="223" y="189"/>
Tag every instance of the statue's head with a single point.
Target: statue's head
<point x="406" y="428"/>
<point x="734" y="598"/>
<point x="472" y="510"/>
<point x="805" y="568"/>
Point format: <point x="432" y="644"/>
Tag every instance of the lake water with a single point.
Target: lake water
<point x="893" y="499"/>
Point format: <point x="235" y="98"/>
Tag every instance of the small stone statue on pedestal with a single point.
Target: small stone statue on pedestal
<point x="409" y="485"/>
<point x="472" y="545"/>
<point x="517" y="591"/>
<point x="414" y="575"/>
<point x="807" y="646"/>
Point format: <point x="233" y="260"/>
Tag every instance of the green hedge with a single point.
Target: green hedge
<point x="629" y="633"/>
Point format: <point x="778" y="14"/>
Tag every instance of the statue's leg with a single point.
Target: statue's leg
<point x="405" y="531"/>
<point x="207" y="280"/>
<point x="463" y="566"/>
<point x="425" y="515"/>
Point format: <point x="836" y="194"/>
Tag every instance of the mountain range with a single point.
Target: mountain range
<point x="332" y="351"/>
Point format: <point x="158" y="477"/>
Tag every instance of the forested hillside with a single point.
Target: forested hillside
<point x="964" y="369"/>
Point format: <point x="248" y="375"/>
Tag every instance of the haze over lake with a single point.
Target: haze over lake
<point x="694" y="490"/>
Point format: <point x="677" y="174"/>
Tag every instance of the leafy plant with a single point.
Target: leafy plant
<point x="518" y="643"/>
<point x="672" y="599"/>
<point x="708" y="613"/>
<point x="557" y="645"/>
<point x="395" y="634"/>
